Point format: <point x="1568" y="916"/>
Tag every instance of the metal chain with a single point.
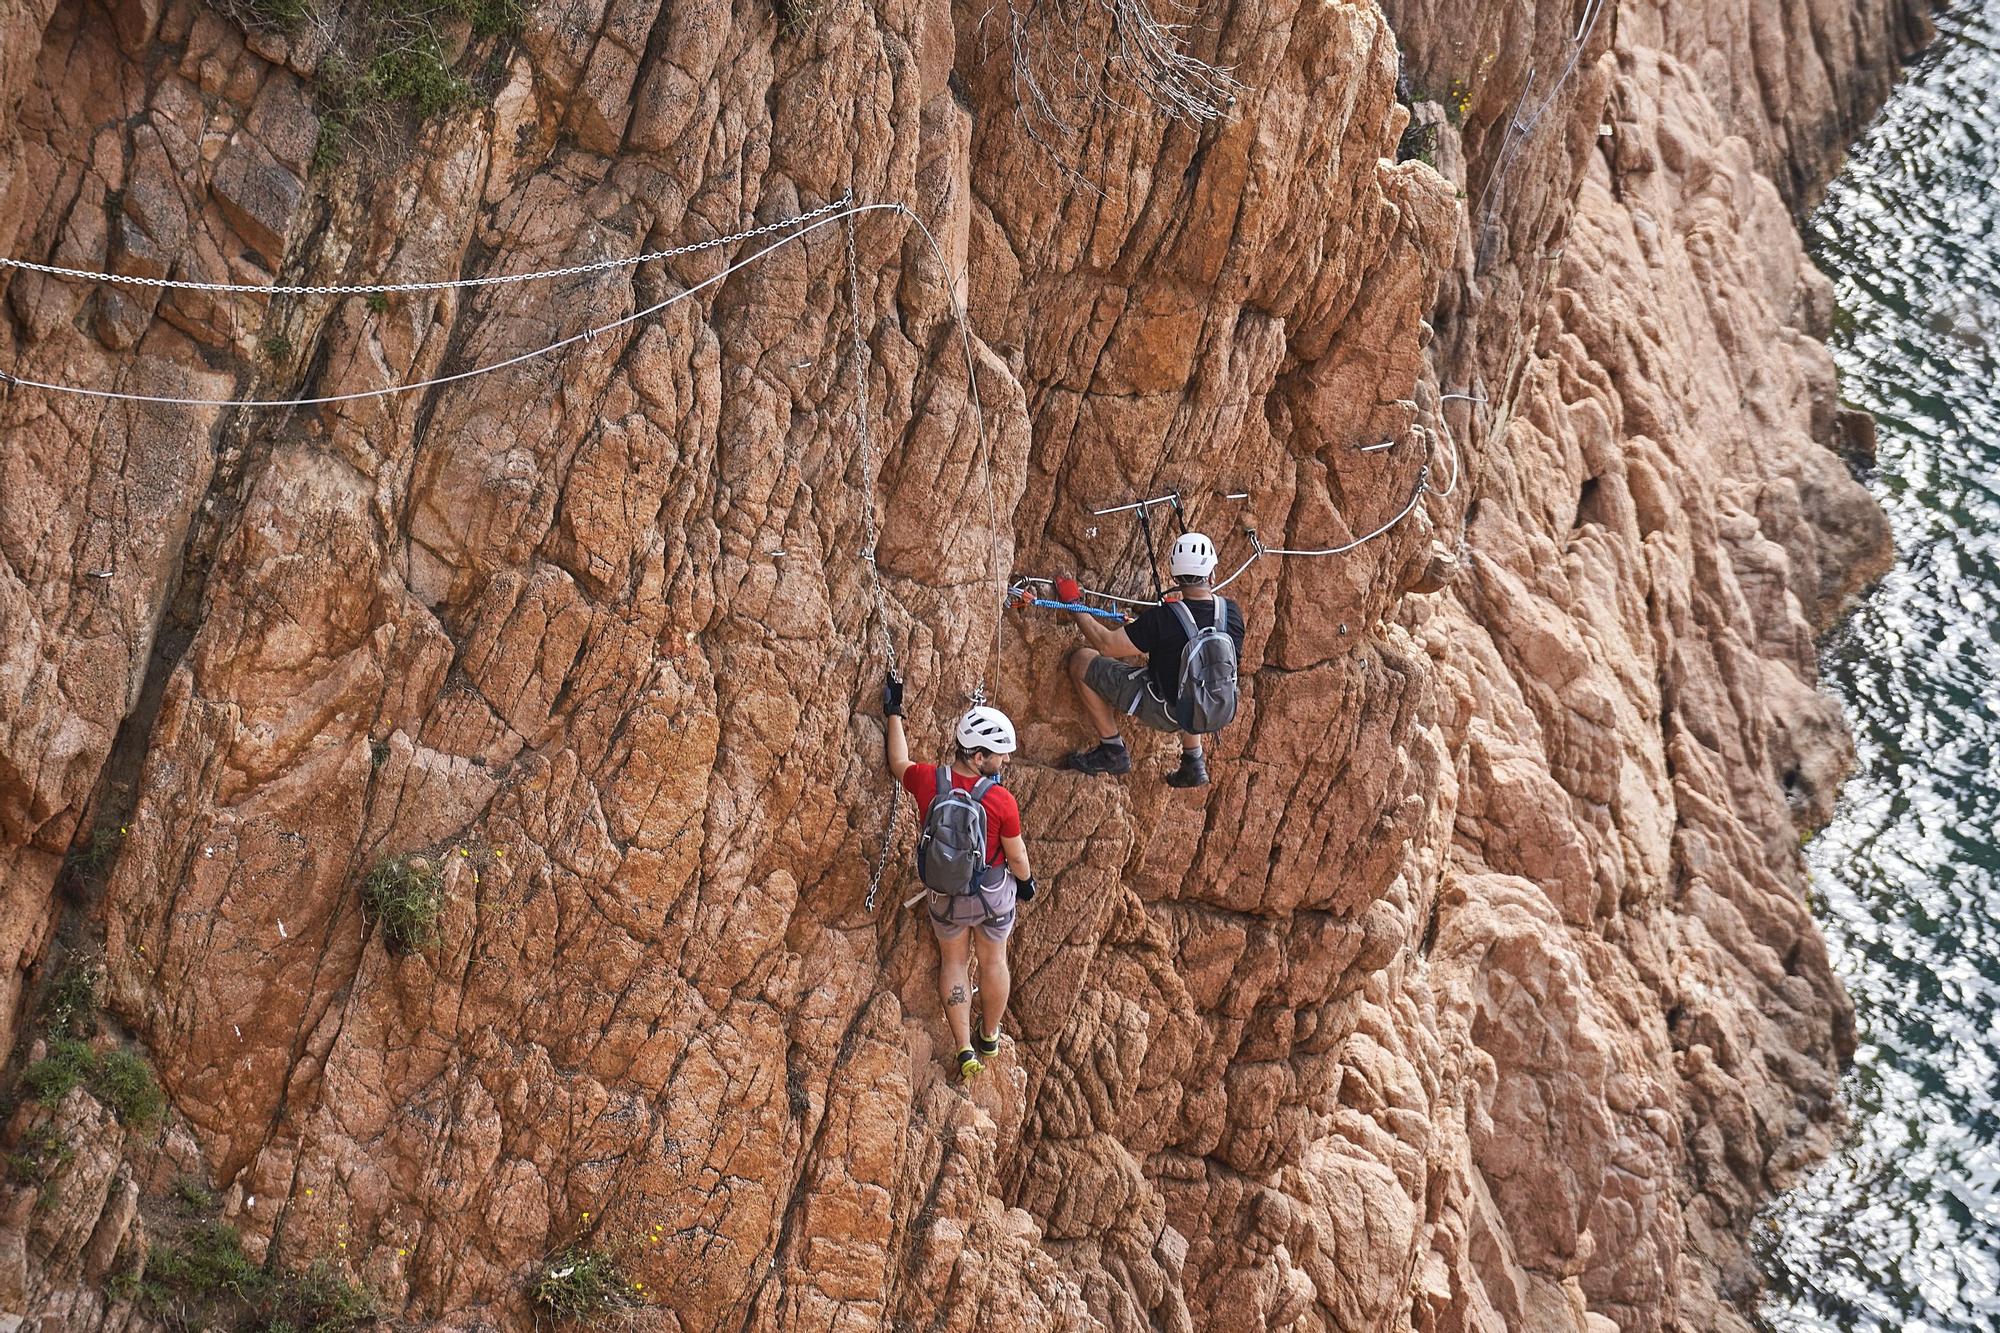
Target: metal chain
<point x="366" y="289"/>
<point x="868" y="462"/>
<point x="868" y="473"/>
<point x="587" y="335"/>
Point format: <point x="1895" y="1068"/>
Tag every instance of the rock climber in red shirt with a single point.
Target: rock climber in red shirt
<point x="980" y="921"/>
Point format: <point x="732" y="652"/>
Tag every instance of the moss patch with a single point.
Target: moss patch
<point x="193" y="1195"/>
<point x="207" y="1264"/>
<point x="203" y="1280"/>
<point x="125" y="1083"/>
<point x="67" y="1065"/>
<point x="580" y="1282"/>
<point x="119" y="1079"/>
<point x="319" y="1299"/>
<point x="406" y="895"/>
<point x="90" y="858"/>
<point x="69" y="1009"/>
<point x="795" y="17"/>
<point x="39" y="1155"/>
<point x="386" y="62"/>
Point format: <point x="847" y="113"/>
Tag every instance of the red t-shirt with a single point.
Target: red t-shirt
<point x="1003" y="816"/>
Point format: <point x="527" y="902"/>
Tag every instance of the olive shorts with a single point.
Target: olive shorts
<point x="1129" y="689"/>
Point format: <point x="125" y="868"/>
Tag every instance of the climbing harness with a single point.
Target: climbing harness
<point x="1098" y="593"/>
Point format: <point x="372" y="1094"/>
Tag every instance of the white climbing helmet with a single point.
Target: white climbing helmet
<point x="1193" y="554"/>
<point x="984" y="728"/>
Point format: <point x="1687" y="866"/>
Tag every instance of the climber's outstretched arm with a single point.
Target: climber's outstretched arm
<point x="1111" y="642"/>
<point x="897" y="744"/>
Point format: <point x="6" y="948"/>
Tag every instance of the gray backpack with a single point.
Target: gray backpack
<point x="1208" y="672"/>
<point x="951" y="850"/>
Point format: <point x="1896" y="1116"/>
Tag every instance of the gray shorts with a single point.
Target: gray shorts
<point x="991" y="909"/>
<point x="1128" y="688"/>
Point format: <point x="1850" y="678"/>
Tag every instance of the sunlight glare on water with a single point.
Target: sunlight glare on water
<point x="1900" y="1229"/>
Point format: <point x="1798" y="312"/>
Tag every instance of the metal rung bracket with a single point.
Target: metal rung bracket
<point x="1170" y="498"/>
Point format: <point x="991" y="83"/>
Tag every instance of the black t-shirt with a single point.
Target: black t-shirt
<point x="1158" y="634"/>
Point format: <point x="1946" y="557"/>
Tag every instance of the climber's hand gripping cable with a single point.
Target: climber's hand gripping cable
<point x="1022" y="595"/>
<point x="895" y="743"/>
<point x="1110" y="640"/>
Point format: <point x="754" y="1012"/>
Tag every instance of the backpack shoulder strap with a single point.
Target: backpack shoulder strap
<point x="943" y="781"/>
<point x="1186" y="617"/>
<point x="979" y="791"/>
<point x="1221" y="613"/>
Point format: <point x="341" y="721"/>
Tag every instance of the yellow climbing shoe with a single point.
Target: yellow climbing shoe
<point x="969" y="1064"/>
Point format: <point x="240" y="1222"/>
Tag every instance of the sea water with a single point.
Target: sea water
<point x="1900" y="1229"/>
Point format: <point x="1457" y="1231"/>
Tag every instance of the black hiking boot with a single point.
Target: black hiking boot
<point x="969" y="1065"/>
<point x="1102" y="758"/>
<point x="1193" y="771"/>
<point x="988" y="1047"/>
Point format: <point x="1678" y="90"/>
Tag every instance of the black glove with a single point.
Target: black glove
<point x="1024" y="890"/>
<point x="892" y="697"/>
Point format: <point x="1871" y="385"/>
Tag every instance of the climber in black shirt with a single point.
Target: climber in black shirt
<point x="1109" y="687"/>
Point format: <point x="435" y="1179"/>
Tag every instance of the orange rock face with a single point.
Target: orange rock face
<point x="1477" y="992"/>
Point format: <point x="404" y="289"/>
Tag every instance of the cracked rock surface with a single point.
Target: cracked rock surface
<point x="1477" y="992"/>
